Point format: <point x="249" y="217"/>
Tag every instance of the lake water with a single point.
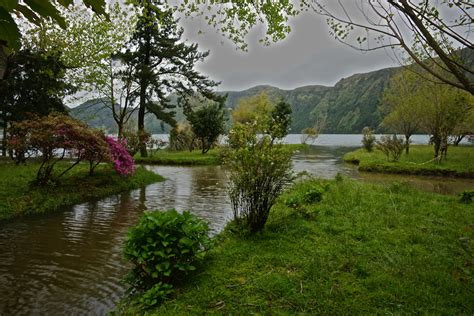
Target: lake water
<point x="71" y="262"/>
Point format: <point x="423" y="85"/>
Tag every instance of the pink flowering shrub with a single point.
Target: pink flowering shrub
<point x="123" y="162"/>
<point x="52" y="139"/>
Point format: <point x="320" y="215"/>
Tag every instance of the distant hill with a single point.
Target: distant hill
<point x="349" y="106"/>
<point x="98" y="114"/>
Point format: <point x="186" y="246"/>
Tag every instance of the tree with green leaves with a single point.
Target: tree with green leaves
<point x="444" y="109"/>
<point x="280" y="120"/>
<point x="400" y="107"/>
<point x="162" y="64"/>
<point x="253" y="109"/>
<point x="35" y="12"/>
<point x="207" y="123"/>
<point x="88" y="45"/>
<point x="463" y="129"/>
<point x="35" y="84"/>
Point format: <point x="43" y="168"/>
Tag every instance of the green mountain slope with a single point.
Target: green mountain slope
<point x="349" y="106"/>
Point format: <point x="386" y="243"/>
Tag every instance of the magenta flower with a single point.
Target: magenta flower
<point x="123" y="162"/>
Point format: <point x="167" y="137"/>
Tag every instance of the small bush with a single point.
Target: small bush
<point x="163" y="248"/>
<point x="300" y="200"/>
<point x="182" y="137"/>
<point x="466" y="196"/>
<point x="391" y="146"/>
<point x="368" y="139"/>
<point x="313" y="195"/>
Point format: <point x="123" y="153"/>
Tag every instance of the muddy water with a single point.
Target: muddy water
<point x="70" y="263"/>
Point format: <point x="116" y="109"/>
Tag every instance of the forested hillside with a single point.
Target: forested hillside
<point x="349" y="106"/>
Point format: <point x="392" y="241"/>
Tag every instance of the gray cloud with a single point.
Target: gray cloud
<point x="308" y="56"/>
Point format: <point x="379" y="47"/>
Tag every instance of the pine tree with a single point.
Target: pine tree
<point x="163" y="64"/>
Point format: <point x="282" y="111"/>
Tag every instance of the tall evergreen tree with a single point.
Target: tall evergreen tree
<point x="162" y="64"/>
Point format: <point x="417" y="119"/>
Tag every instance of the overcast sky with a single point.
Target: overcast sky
<point x="308" y="56"/>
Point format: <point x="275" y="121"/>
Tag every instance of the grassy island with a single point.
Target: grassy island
<point x="170" y="157"/>
<point x="190" y="158"/>
<point x="363" y="249"/>
<point x="18" y="197"/>
<point x="459" y="162"/>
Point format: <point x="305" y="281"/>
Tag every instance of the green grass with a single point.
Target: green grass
<point x="459" y="162"/>
<point x="166" y="157"/>
<point x="195" y="157"/>
<point x="19" y="198"/>
<point x="364" y="249"/>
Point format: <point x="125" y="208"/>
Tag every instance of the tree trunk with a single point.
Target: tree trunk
<point x="120" y="130"/>
<point x="407" y="144"/>
<point x="141" y="128"/>
<point x="4" y="139"/>
<point x="437" y="146"/>
<point x="3" y="62"/>
<point x="458" y="139"/>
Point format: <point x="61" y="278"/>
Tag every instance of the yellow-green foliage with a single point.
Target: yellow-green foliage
<point x="253" y="108"/>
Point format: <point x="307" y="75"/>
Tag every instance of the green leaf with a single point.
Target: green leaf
<point x="46" y="9"/>
<point x="98" y="6"/>
<point x="29" y="14"/>
<point x="66" y="3"/>
<point x="9" y="31"/>
<point x="8" y="4"/>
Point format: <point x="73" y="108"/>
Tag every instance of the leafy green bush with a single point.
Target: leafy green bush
<point x="259" y="171"/>
<point x="368" y="139"/>
<point x="300" y="200"/>
<point x="391" y="147"/>
<point x="163" y="248"/>
<point x="466" y="196"/>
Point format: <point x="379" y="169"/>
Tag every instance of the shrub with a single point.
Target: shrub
<point x="133" y="140"/>
<point x="163" y="248"/>
<point x="207" y="124"/>
<point x="368" y="139"/>
<point x="391" y="147"/>
<point x="466" y="196"/>
<point x="54" y="138"/>
<point x="182" y="138"/>
<point x="309" y="134"/>
<point x="121" y="159"/>
<point x="259" y="171"/>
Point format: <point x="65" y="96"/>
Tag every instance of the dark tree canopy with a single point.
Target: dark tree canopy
<point x="34" y="83"/>
<point x="163" y="64"/>
<point x="207" y="123"/>
<point x="280" y="120"/>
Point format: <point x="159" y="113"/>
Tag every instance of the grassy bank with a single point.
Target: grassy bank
<point x="168" y="157"/>
<point x="195" y="157"/>
<point x="18" y="198"/>
<point x="459" y="162"/>
<point x="364" y="249"/>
